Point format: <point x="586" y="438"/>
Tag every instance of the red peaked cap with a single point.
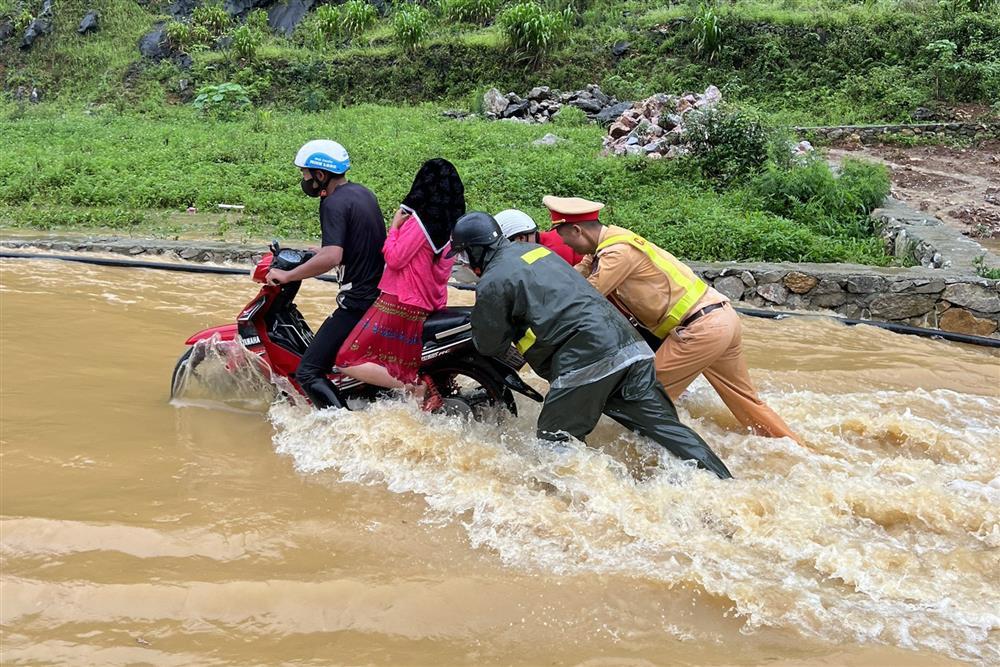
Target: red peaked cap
<point x="572" y="209"/>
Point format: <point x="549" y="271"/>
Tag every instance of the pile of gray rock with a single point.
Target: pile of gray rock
<point x="542" y="103"/>
<point x="656" y="126"/>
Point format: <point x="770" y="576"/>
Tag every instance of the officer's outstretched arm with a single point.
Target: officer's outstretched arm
<point x="615" y="266"/>
<point x="492" y="329"/>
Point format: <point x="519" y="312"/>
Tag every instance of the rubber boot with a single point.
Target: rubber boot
<point x="322" y="394"/>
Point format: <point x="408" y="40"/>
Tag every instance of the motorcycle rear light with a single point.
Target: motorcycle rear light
<point x="512" y="359"/>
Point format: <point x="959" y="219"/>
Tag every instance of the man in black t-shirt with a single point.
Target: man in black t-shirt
<point x="353" y="236"/>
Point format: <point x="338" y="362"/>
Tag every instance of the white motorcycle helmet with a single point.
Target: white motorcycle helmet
<point x="513" y="222"/>
<point x="323" y="154"/>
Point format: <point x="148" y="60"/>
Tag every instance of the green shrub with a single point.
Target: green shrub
<point x="707" y="32"/>
<point x="21" y="21"/>
<point x="211" y="17"/>
<point x="812" y="195"/>
<point x="245" y="42"/>
<point x="411" y="24"/>
<point x="570" y="116"/>
<point x="258" y="22"/>
<point x="943" y="65"/>
<point x="222" y="101"/>
<point x="985" y="271"/>
<point x="470" y="11"/>
<point x="327" y="21"/>
<point x="178" y="35"/>
<point x="532" y="31"/>
<point x="727" y="144"/>
<point x="357" y="16"/>
<point x="891" y="92"/>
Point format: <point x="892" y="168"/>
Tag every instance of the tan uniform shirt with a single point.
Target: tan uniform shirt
<point x="627" y="276"/>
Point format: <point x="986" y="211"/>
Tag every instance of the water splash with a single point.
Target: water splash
<point x="882" y="527"/>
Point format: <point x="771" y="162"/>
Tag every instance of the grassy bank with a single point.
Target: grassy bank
<point x="71" y="169"/>
<point x="800" y="61"/>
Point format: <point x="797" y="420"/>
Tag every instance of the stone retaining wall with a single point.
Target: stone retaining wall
<point x="866" y="134"/>
<point x="918" y="238"/>
<point x="945" y="298"/>
<point x="918" y="296"/>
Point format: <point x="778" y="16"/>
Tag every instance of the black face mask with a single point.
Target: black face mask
<point x="311" y="188"/>
<point x="477" y="258"/>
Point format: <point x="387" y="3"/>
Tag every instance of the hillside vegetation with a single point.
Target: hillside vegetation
<point x="807" y="61"/>
<point x="128" y="142"/>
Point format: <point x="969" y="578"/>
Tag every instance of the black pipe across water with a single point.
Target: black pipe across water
<point x="750" y="312"/>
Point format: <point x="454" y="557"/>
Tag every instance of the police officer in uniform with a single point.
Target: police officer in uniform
<point x="694" y="328"/>
<point x="573" y="337"/>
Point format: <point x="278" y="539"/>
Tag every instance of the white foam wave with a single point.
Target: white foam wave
<point x="868" y="531"/>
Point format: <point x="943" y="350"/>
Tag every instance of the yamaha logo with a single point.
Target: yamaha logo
<point x="252" y="340"/>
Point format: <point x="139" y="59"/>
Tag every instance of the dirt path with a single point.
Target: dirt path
<point x="961" y="186"/>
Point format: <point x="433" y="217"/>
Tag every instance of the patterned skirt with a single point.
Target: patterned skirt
<point x="390" y="335"/>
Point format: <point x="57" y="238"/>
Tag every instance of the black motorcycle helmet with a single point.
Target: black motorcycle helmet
<point x="478" y="235"/>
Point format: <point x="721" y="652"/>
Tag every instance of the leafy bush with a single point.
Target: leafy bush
<point x="891" y="92"/>
<point x="532" y="31"/>
<point x="357" y="16"/>
<point x="211" y="17"/>
<point x="327" y="21"/>
<point x="21" y="21"/>
<point x="470" y="11"/>
<point x="812" y="195"/>
<point x="570" y="116"/>
<point x="727" y="144"/>
<point x="985" y="271"/>
<point x="943" y="64"/>
<point x="411" y="25"/>
<point x="245" y="42"/>
<point x="187" y="37"/>
<point x="178" y="35"/>
<point x="707" y="32"/>
<point x="223" y="101"/>
<point x="258" y="22"/>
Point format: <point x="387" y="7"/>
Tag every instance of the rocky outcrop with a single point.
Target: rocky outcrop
<point x="6" y="31"/>
<point x="89" y="23"/>
<point x="153" y="44"/>
<point x="542" y="103"/>
<point x="35" y="29"/>
<point x="284" y="17"/>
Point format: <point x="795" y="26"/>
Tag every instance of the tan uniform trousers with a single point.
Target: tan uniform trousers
<point x="713" y="345"/>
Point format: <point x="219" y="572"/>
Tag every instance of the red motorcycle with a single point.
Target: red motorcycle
<point x="271" y="334"/>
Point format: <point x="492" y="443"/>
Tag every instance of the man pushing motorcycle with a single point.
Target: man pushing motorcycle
<point x="353" y="235"/>
<point x="573" y="337"/>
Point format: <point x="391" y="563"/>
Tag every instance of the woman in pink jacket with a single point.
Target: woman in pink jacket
<point x="384" y="348"/>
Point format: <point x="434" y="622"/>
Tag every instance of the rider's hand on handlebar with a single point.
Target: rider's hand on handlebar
<point x="277" y="277"/>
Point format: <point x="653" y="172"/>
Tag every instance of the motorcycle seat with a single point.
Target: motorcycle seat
<point x="445" y="320"/>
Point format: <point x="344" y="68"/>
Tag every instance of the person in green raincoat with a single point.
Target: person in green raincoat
<point x="594" y="360"/>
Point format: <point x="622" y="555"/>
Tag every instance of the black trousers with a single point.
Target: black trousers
<point x="322" y="352"/>
<point x="634" y="399"/>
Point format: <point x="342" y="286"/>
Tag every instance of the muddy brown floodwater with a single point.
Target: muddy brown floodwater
<point x="136" y="531"/>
